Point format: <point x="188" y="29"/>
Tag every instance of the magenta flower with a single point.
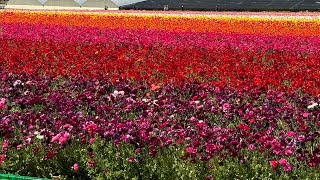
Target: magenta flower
<point x="56" y="138"/>
<point x="91" y="141"/>
<point x="3" y="103"/>
<point x="75" y="167"/>
<point x="291" y="133"/>
<point x="251" y="147"/>
<point x="225" y="107"/>
<point x="191" y="150"/>
<point x="64" y="138"/>
<point x="283" y="162"/>
<point x="288" y="167"/>
<point x="288" y="152"/>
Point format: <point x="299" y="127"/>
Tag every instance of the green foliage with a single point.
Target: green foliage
<point x="122" y="162"/>
<point x="112" y="163"/>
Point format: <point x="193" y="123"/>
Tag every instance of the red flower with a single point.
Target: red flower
<point x="257" y="81"/>
<point x="273" y="163"/>
<point x="193" y="98"/>
<point x="243" y="127"/>
<point x="91" y="163"/>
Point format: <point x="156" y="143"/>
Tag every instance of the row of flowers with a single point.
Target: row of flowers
<point x="222" y="24"/>
<point x="207" y="120"/>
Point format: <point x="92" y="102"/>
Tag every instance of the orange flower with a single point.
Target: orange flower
<point x="154" y="87"/>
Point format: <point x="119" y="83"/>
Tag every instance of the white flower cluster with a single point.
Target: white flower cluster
<point x="313" y="105"/>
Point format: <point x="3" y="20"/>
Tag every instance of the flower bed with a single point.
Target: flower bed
<point x="147" y="96"/>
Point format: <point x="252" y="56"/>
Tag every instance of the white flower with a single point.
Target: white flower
<point x="115" y="93"/>
<point x="155" y="102"/>
<point x="26" y="93"/>
<point x="121" y="93"/>
<point x="39" y="136"/>
<point x="17" y="82"/>
<point x="312" y="105"/>
<point x="118" y="93"/>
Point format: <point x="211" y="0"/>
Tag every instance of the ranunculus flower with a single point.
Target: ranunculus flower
<point x="191" y="150"/>
<point x="273" y="163"/>
<point x="2" y="158"/>
<point x="5" y="145"/>
<point x="305" y="114"/>
<point x="291" y="133"/>
<point x="64" y="138"/>
<point x="288" y="152"/>
<point x="131" y="159"/>
<point x="75" y="167"/>
<point x="251" y="147"/>
<point x="312" y="105"/>
<point x="56" y="138"/>
<point x="226" y="107"/>
<point x="91" y="163"/>
<point x="243" y="127"/>
<point x="91" y="141"/>
<point x="3" y="103"/>
<point x="288" y="167"/>
<point x="283" y="161"/>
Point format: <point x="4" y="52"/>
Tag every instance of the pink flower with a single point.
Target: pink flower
<point x="2" y="103"/>
<point x="91" y="141"/>
<point x="2" y="158"/>
<point x="75" y="167"/>
<point x="56" y="138"/>
<point x="291" y="133"/>
<point x="64" y="138"/>
<point x="131" y="159"/>
<point x="225" y="107"/>
<point x="305" y="114"/>
<point x="283" y="162"/>
<point x="191" y="150"/>
<point x="137" y="150"/>
<point x="273" y="163"/>
<point x="5" y="145"/>
<point x="288" y="152"/>
<point x="251" y="147"/>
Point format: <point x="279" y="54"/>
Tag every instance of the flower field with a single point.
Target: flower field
<point x="135" y="95"/>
